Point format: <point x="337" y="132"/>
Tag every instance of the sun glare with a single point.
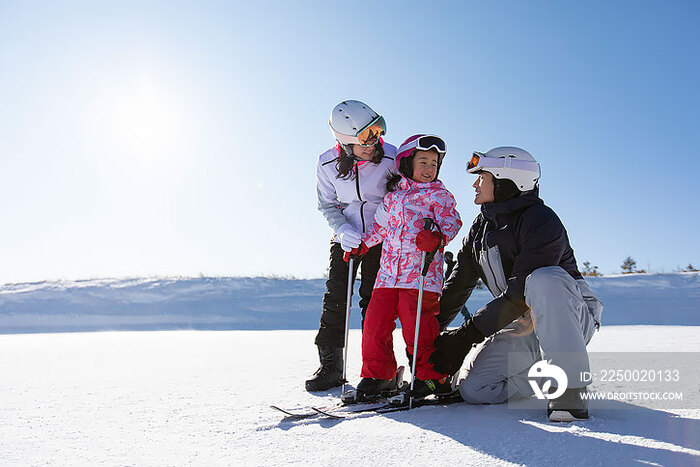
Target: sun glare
<point x="139" y="121"/>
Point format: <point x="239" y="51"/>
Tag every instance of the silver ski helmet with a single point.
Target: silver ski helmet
<point x="507" y="163"/>
<point x="354" y="122"/>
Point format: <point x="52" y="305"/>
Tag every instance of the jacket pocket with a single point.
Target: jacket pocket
<point x="595" y="306"/>
<point x="490" y="262"/>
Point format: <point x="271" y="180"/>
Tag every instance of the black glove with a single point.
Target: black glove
<point x="451" y="347"/>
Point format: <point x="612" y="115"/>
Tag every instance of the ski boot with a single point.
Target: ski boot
<point x="372" y="389"/>
<point x="440" y="388"/>
<point x="423" y="388"/>
<point x="569" y="407"/>
<point x="330" y="373"/>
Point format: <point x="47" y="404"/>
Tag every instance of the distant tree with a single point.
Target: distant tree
<point x="629" y="266"/>
<point x="589" y="270"/>
<point x="689" y="268"/>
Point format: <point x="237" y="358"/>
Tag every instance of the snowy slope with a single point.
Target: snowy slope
<point x="160" y="304"/>
<point x="200" y="398"/>
<point x="260" y="303"/>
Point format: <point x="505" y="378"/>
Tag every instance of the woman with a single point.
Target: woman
<point x="351" y="183"/>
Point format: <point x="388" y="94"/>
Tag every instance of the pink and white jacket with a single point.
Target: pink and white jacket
<point x="400" y="266"/>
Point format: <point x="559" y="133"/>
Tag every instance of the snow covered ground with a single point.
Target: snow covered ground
<point x="200" y="398"/>
<point x="190" y="397"/>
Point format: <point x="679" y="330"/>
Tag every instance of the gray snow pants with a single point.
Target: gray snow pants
<point x="561" y="321"/>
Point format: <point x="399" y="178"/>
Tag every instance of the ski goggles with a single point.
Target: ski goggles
<point x="426" y="143"/>
<point x="370" y="134"/>
<point x="480" y="161"/>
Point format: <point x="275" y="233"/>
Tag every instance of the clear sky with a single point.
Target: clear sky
<point x="181" y="138"/>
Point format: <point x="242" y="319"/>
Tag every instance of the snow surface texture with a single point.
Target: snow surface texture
<point x="201" y="397"/>
<point x="261" y="304"/>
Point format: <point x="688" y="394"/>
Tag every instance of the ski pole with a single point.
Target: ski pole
<point x="417" y="333"/>
<point x="348" y="304"/>
<point x="426" y="259"/>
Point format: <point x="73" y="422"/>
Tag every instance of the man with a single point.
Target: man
<point x="542" y="307"/>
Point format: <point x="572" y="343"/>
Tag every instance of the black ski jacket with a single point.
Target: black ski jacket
<point x="507" y="241"/>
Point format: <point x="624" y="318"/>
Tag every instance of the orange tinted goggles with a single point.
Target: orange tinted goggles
<point x="474" y="161"/>
<point x="369" y="135"/>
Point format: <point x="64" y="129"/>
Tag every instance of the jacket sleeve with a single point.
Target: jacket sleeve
<point x="447" y="217"/>
<point x="542" y="240"/>
<point x="377" y="233"/>
<point x="460" y="284"/>
<point x="328" y="203"/>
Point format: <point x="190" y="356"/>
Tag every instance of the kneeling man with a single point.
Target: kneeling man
<point x="542" y="307"/>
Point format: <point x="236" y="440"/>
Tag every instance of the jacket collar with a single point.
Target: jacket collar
<point x="408" y="183"/>
<point x="527" y="199"/>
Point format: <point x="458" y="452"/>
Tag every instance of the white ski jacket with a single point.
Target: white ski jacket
<point x="354" y="200"/>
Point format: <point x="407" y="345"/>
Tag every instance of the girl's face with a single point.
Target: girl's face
<point x="484" y="186"/>
<point x="364" y="153"/>
<point x="425" y="166"/>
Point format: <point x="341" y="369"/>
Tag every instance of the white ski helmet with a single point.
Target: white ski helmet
<point x="354" y="122"/>
<point x="507" y="162"/>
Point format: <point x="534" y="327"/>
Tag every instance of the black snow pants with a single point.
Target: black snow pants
<point x="331" y="331"/>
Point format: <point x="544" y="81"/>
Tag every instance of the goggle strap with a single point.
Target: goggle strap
<point x="504" y="162"/>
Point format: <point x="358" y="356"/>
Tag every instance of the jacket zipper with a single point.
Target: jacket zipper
<point x="359" y="196"/>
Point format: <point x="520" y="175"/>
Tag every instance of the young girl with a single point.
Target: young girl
<point x="413" y="194"/>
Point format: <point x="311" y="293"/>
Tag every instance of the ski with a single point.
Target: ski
<point x="300" y="413"/>
<point x="341" y="411"/>
<point x="293" y="415"/>
<point x="350" y="403"/>
<point x="446" y="399"/>
<point x="326" y="413"/>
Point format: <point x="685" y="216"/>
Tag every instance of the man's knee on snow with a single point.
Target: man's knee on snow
<point x="475" y="391"/>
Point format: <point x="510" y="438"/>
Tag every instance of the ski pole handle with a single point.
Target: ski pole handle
<point x="428" y="224"/>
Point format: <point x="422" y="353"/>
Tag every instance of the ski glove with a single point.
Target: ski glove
<point x="381" y="217"/>
<point x="356" y="253"/>
<point x="427" y="240"/>
<point x="451" y="347"/>
<point x="349" y="237"/>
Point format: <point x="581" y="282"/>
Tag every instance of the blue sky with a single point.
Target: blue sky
<point x="181" y="138"/>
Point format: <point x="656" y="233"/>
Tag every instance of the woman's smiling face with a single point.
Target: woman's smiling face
<point x="365" y="153"/>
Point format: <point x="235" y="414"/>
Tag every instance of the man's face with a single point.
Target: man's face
<point x="484" y="186"/>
